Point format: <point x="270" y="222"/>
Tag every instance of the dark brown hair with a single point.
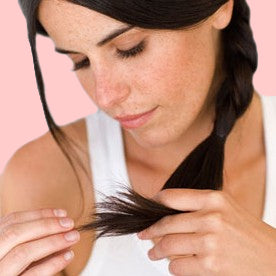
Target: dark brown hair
<point x="129" y="212"/>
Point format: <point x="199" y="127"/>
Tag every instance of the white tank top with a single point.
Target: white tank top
<point x="127" y="255"/>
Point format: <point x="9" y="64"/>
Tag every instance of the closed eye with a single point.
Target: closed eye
<point x="120" y="53"/>
<point x="133" y="51"/>
<point x="81" y="64"/>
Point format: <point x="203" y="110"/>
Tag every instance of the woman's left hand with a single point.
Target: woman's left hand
<point x="219" y="236"/>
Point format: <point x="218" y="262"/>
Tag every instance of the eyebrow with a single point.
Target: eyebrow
<point x="108" y="38"/>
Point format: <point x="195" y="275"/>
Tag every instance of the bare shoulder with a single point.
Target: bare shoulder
<point x="38" y="175"/>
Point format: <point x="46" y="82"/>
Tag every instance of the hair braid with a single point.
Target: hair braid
<point x="240" y="59"/>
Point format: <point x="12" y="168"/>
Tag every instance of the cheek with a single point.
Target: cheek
<point x="181" y="75"/>
<point x="179" y="81"/>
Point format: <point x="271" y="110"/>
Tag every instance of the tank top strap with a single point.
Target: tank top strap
<point x="106" y="150"/>
<point x="269" y="115"/>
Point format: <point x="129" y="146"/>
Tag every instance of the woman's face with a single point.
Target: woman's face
<point x="174" y="71"/>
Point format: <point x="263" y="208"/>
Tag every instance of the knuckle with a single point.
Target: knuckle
<point x="10" y="232"/>
<point x="217" y="198"/>
<point x="21" y="253"/>
<point x="215" y="220"/>
<point x="210" y="264"/>
<point x="209" y="243"/>
<point x="163" y="196"/>
<point x="12" y="217"/>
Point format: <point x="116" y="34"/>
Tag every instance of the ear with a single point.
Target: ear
<point x="222" y="17"/>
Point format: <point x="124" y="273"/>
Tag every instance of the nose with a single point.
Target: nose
<point x="110" y="88"/>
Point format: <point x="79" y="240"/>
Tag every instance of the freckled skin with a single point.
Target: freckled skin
<point x="176" y="72"/>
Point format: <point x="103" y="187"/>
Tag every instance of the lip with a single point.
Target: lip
<point x="132" y="117"/>
<point x="134" y="121"/>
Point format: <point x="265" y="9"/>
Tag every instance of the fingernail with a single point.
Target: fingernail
<point x="66" y="222"/>
<point x="60" y="213"/>
<point x="72" y="236"/>
<point x="68" y="255"/>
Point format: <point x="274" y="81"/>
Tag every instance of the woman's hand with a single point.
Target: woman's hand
<point x="221" y="237"/>
<point x="34" y="242"/>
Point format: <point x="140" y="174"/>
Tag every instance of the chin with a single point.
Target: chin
<point x="153" y="138"/>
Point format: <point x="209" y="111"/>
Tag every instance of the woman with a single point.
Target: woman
<point x="187" y="65"/>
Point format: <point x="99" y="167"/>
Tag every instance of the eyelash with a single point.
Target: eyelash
<point x="121" y="54"/>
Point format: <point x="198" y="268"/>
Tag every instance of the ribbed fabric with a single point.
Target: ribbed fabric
<point x="269" y="115"/>
<point x="127" y="255"/>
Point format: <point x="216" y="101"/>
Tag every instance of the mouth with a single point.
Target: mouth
<point x="137" y="120"/>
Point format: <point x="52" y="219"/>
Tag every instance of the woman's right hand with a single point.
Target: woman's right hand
<point x="34" y="242"/>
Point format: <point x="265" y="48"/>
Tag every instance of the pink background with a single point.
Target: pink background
<point x="22" y="118"/>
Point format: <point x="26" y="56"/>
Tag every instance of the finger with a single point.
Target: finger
<point x="186" y="266"/>
<point x="20" y="257"/>
<point x="24" y="216"/>
<point x="176" y="244"/>
<point x="191" y="199"/>
<point x="52" y="265"/>
<point x="15" y="234"/>
<point x="174" y="224"/>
